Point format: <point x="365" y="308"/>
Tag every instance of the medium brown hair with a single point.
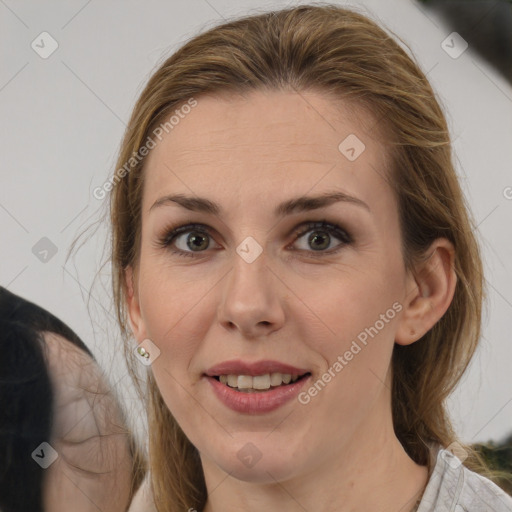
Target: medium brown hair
<point x="344" y="54"/>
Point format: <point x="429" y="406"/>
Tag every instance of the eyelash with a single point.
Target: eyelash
<point x="172" y="232"/>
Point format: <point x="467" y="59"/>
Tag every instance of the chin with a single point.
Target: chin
<point x="263" y="472"/>
<point x="257" y="461"/>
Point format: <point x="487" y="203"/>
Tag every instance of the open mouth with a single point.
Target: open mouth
<point x="259" y="383"/>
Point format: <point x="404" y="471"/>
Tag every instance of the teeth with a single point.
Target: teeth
<point x="276" y="379"/>
<point x="258" y="382"/>
<point x="244" y="381"/>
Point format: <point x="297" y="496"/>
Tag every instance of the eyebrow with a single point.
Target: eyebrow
<point x="295" y="205"/>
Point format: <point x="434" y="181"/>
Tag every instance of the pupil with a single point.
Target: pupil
<point x="315" y="237"/>
<point x="195" y="241"/>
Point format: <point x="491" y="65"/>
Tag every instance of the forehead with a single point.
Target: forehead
<point x="265" y="141"/>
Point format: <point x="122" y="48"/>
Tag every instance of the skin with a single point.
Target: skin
<point x="93" y="469"/>
<point x="338" y="452"/>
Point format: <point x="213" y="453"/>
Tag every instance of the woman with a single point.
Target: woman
<point x="294" y="257"/>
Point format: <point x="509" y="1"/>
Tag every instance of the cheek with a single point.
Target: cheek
<point x="335" y="309"/>
<point x="168" y="300"/>
<point x="354" y="344"/>
<point x="177" y="316"/>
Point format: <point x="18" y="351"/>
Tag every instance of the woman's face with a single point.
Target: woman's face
<point x="253" y="283"/>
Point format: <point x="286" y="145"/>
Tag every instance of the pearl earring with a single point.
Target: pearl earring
<point x="142" y="351"/>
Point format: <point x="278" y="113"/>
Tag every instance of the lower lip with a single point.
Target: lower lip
<point x="258" y="402"/>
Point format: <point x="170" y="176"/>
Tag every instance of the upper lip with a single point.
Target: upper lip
<point x="239" y="367"/>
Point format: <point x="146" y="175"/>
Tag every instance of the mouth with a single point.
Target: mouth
<point x="256" y="387"/>
<point x="259" y="393"/>
<point x="259" y="383"/>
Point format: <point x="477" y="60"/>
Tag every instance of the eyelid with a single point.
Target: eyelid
<point x="330" y="227"/>
<point x="174" y="230"/>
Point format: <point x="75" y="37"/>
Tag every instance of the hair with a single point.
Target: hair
<point x="27" y="398"/>
<point x="341" y="53"/>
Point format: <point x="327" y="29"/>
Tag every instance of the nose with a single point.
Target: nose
<point x="251" y="298"/>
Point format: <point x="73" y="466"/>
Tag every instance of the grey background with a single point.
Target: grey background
<point x="63" y="117"/>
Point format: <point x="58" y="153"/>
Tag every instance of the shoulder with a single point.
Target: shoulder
<point x="454" y="487"/>
<point x="480" y="493"/>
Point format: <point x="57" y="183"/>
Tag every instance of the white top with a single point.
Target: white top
<point x="143" y="499"/>
<point x="451" y="487"/>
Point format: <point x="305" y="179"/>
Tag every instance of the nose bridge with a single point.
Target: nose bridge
<point x="248" y="279"/>
<point x="250" y="298"/>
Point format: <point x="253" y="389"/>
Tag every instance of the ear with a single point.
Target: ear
<point x="429" y="293"/>
<point x="133" y="306"/>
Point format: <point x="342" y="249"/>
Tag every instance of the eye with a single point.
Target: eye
<point x="321" y="237"/>
<point x="196" y="241"/>
<point x="197" y="238"/>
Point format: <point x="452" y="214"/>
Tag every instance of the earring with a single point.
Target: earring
<point x="142" y="351"/>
